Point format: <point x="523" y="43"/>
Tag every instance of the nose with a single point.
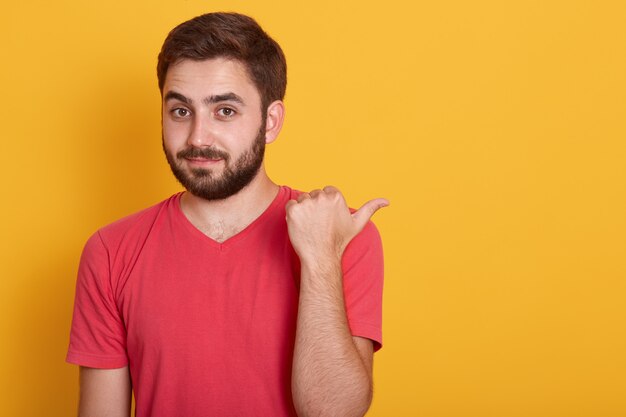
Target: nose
<point x="202" y="133"/>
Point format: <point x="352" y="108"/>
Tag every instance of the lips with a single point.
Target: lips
<point x="203" y="161"/>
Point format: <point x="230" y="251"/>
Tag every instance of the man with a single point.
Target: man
<point x="238" y="297"/>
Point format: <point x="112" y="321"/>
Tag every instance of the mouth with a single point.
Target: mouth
<point x="203" y="162"/>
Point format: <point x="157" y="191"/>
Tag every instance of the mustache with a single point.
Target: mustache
<point x="207" y="153"/>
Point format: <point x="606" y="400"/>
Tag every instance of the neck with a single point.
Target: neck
<point x="221" y="219"/>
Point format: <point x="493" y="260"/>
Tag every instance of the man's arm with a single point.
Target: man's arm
<point x="104" y="392"/>
<point x="332" y="370"/>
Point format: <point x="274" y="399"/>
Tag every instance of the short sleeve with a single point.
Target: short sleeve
<point x="363" y="270"/>
<point x="98" y="335"/>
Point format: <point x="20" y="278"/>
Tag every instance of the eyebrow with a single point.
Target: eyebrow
<point x="217" y="98"/>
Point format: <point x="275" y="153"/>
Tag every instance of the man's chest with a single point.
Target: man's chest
<point x="182" y="298"/>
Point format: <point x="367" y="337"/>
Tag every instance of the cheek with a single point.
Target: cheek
<point x="172" y="132"/>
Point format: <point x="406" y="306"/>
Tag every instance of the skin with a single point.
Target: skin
<point x="332" y="370"/>
<point x="104" y="392"/>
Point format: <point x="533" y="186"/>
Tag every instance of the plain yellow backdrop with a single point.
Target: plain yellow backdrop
<point x="496" y="128"/>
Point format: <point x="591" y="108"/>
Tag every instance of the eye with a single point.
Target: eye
<point x="226" y="112"/>
<point x="180" y="112"/>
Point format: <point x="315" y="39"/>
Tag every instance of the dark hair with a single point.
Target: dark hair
<point x="228" y="35"/>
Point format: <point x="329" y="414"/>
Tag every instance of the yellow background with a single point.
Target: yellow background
<point x="496" y="128"/>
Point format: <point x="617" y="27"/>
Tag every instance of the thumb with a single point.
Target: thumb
<point x="367" y="210"/>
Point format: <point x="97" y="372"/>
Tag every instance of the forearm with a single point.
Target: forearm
<point x="329" y="376"/>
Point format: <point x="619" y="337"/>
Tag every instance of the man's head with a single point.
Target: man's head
<point x="222" y="81"/>
<point x="232" y="36"/>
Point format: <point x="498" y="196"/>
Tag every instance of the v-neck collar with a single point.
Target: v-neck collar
<point x="279" y="201"/>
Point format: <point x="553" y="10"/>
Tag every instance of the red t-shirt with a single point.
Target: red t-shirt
<point x="206" y="328"/>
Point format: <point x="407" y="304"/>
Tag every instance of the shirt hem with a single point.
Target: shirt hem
<point x="368" y="331"/>
<point x="96" y="361"/>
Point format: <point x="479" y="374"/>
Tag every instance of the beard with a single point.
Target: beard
<point x="205" y="183"/>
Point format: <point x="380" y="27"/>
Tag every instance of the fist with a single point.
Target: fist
<point x="320" y="224"/>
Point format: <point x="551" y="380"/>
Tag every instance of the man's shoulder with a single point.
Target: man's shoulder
<point x="136" y="223"/>
<point x="291" y="192"/>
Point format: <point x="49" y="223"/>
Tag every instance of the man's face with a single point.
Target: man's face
<point x="213" y="127"/>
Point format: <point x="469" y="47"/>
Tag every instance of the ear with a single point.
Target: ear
<point x="274" y="120"/>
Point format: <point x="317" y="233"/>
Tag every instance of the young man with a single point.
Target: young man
<point x="238" y="297"/>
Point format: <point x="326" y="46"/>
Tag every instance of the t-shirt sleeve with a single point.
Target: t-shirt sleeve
<point x="362" y="266"/>
<point x="97" y="336"/>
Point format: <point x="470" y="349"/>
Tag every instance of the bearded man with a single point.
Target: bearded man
<point x="236" y="297"/>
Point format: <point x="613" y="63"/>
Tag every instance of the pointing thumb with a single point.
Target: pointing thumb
<point x="367" y="210"/>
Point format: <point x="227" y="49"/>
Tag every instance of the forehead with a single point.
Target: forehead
<point x="210" y="77"/>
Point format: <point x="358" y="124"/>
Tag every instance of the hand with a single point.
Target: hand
<point x="320" y="224"/>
